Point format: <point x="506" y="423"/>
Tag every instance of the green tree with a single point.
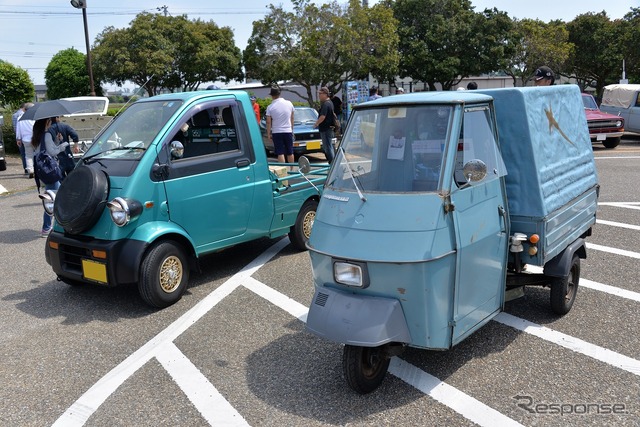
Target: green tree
<point x="322" y="46"/>
<point x="443" y="41"/>
<point x="631" y="41"/>
<point x="15" y="85"/>
<point x="537" y="43"/>
<point x="158" y="51"/>
<point x="67" y="75"/>
<point x="598" y="54"/>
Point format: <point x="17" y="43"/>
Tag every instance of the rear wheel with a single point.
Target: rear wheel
<point x="564" y="289"/>
<point x="164" y="275"/>
<point x="3" y="165"/>
<point x="364" y="367"/>
<point x="611" y="142"/>
<point x="301" y="230"/>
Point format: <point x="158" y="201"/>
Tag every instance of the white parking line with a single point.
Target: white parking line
<point x="462" y="403"/>
<point x="204" y="396"/>
<point x="618" y="224"/>
<point x="90" y="401"/>
<point x="611" y="250"/>
<point x="572" y="343"/>
<point x="626" y="205"/>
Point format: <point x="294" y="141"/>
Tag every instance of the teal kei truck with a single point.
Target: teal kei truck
<point x="172" y="178"/>
<point x="441" y="206"/>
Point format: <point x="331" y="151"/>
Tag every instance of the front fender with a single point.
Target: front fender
<point x="151" y="231"/>
<point x="360" y="320"/>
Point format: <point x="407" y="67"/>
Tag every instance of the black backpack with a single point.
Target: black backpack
<point x="46" y="167"/>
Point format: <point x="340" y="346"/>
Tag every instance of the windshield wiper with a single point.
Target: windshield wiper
<point x="353" y="176"/>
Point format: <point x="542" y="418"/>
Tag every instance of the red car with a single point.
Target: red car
<point x="603" y="127"/>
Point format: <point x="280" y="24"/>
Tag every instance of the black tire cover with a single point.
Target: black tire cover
<point x="81" y="198"/>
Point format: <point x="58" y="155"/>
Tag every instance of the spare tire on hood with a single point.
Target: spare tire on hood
<point x="80" y="199"/>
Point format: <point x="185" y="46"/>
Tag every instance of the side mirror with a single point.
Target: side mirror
<point x="303" y="164"/>
<point x="474" y="170"/>
<point x="176" y="150"/>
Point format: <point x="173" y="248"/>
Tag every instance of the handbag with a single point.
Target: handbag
<point x="336" y="123"/>
<point x="47" y="168"/>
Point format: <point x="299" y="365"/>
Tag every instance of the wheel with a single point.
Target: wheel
<point x="80" y="199"/>
<point x="611" y="142"/>
<point x="164" y="275"/>
<point x="364" y="367"/>
<point x="301" y="230"/>
<point x="3" y="165"/>
<point x="564" y="289"/>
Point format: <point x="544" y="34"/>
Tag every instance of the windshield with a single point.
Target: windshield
<point x="589" y="102"/>
<point x="394" y="149"/>
<point x="131" y="133"/>
<point x="304" y="115"/>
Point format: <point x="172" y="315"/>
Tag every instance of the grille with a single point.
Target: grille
<point x="321" y="299"/>
<point x="71" y="257"/>
<point x="607" y="124"/>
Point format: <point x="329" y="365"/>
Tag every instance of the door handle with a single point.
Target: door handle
<point x="242" y="163"/>
<point x="503" y="213"/>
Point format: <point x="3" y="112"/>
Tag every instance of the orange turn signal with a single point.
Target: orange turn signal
<point x="534" y="238"/>
<point x="99" y="254"/>
<point x="54" y="245"/>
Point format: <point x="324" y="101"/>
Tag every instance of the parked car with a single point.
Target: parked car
<point x="604" y="127"/>
<point x="623" y="100"/>
<point x="306" y="138"/>
<point x="3" y="160"/>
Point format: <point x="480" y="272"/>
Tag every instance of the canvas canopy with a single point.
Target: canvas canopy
<point x="620" y="95"/>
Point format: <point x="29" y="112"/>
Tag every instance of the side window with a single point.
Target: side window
<point x="477" y="142"/>
<point x="638" y="100"/>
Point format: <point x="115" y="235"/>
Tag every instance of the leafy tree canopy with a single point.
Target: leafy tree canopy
<point x="67" y="75"/>
<point x="169" y="52"/>
<point x="15" y="85"/>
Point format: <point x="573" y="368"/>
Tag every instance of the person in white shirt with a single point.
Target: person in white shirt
<point x="280" y="126"/>
<point x="14" y="118"/>
<point x="24" y="133"/>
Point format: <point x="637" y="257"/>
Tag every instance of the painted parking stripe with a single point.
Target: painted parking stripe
<point x="467" y="406"/>
<point x="572" y="343"/>
<point x="205" y="397"/>
<point x="462" y="403"/>
<point x="618" y="224"/>
<point x="626" y="205"/>
<point x="585" y="283"/>
<point x="611" y="250"/>
<point x="90" y="401"/>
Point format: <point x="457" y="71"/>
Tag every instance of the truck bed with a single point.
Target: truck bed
<point x="551" y="176"/>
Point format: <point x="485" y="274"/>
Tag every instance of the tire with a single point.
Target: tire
<point x="564" y="290"/>
<point x="80" y="199"/>
<point x="611" y="142"/>
<point x="164" y="275"/>
<point x="364" y="367"/>
<point x="3" y="165"/>
<point x="301" y="230"/>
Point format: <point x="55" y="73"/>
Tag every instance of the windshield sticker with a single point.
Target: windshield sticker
<point x="397" y="113"/>
<point x="396" y="148"/>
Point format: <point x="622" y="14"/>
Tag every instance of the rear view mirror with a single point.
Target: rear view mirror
<point x="177" y="150"/>
<point x="474" y="170"/>
<point x="304" y="165"/>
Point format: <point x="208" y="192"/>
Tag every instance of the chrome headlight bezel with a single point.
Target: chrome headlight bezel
<point x="48" y="200"/>
<point x="351" y="273"/>
<point x="124" y="210"/>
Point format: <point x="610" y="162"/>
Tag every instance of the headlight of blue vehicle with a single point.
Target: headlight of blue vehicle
<point x="124" y="210"/>
<point x="351" y="273"/>
<point x="48" y="199"/>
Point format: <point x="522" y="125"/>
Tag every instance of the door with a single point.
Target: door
<point x="210" y="189"/>
<point x="480" y="227"/>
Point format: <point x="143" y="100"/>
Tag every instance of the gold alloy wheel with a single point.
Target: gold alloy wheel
<point x="307" y="223"/>
<point x="170" y="274"/>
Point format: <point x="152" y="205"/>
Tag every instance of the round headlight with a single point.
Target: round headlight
<point x="124" y="210"/>
<point x="619" y="123"/>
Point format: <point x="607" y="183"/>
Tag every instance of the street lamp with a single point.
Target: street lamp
<point x="82" y="4"/>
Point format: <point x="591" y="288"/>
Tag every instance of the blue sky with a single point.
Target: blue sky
<point x="32" y="32"/>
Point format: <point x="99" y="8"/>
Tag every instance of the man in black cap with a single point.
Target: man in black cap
<point x="544" y="76"/>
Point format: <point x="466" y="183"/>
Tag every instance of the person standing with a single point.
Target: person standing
<point x="62" y="132"/>
<point x="544" y="76"/>
<point x="14" y="118"/>
<point x="24" y="133"/>
<point x="280" y="125"/>
<point x="373" y="93"/>
<point x="256" y="107"/>
<point x="41" y="135"/>
<point x="326" y="122"/>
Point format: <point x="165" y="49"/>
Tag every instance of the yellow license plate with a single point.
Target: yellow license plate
<point x="93" y="270"/>
<point x="314" y="145"/>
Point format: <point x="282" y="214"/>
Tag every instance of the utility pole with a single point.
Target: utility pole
<point x="164" y="9"/>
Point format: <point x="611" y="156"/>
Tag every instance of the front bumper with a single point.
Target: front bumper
<point x="601" y="136"/>
<point x="78" y="258"/>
